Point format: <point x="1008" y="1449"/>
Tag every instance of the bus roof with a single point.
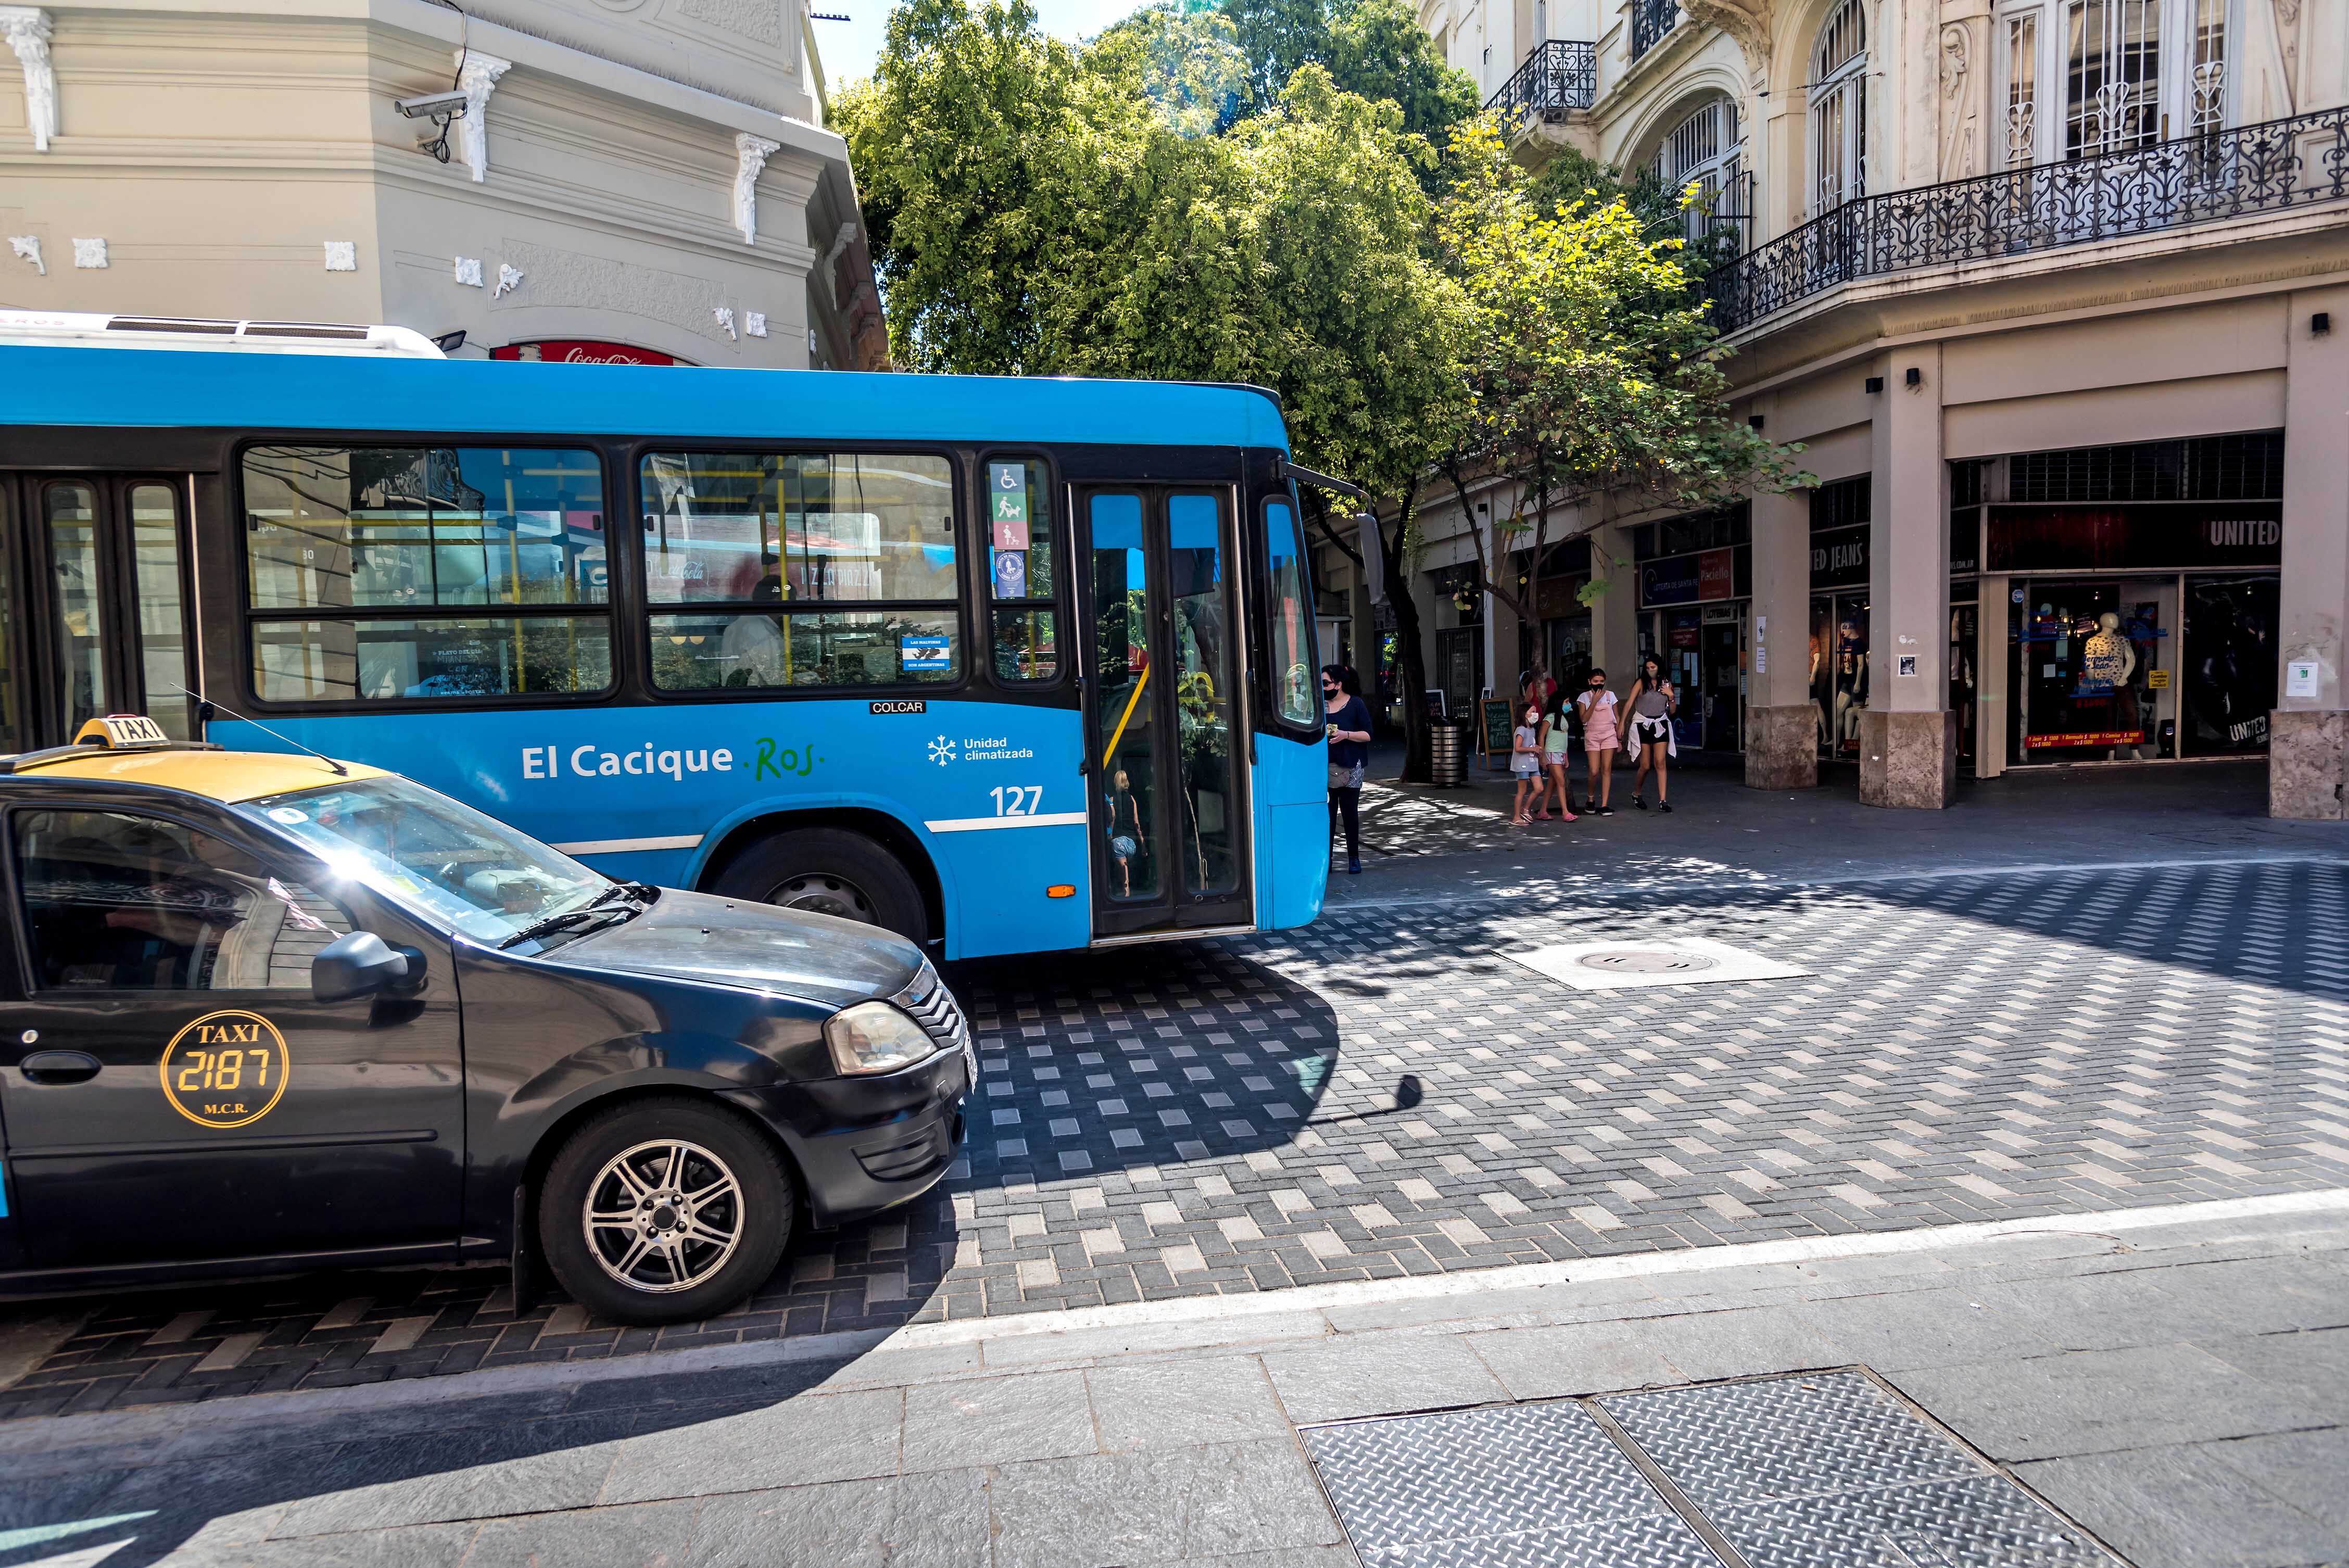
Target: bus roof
<point x="181" y="389"/>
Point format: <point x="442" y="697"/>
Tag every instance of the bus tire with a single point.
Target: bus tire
<point x="828" y="871"/>
<point x="627" y="1232"/>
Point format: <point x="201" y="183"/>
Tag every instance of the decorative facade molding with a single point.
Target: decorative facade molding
<point x="342" y="255"/>
<point x="1958" y="120"/>
<point x="509" y="280"/>
<point x="89" y="254"/>
<point x="2287" y="21"/>
<point x="1747" y="21"/>
<point x="477" y="78"/>
<point x="830" y="267"/>
<point x="467" y="271"/>
<point x="754" y="323"/>
<point x="26" y="28"/>
<point x="724" y="315"/>
<point x="28" y="248"/>
<point x="751" y="155"/>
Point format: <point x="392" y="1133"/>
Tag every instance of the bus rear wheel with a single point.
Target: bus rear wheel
<point x="828" y="871"/>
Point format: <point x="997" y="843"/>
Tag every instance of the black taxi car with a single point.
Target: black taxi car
<point x="268" y="1013"/>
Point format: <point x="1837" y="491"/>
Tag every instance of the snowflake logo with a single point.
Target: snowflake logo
<point x="942" y="751"/>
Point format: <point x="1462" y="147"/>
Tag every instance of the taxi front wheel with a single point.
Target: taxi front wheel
<point x="664" y="1210"/>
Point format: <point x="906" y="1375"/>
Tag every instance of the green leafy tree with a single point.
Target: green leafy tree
<point x="968" y="143"/>
<point x="1378" y="51"/>
<point x="1187" y="64"/>
<point x="1590" y="370"/>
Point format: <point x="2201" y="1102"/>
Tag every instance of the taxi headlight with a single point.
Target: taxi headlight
<point x="874" y="1038"/>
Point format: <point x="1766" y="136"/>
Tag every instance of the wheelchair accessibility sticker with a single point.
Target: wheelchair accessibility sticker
<point x="226" y="1069"/>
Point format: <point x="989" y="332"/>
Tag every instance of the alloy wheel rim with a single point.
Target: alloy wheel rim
<point x="821" y="893"/>
<point x="663" y="1216"/>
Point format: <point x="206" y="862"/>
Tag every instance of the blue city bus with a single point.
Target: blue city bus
<point x="1009" y="664"/>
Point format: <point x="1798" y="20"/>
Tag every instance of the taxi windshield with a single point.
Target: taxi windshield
<point x="448" y="862"/>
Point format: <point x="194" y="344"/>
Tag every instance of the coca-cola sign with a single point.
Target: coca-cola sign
<point x="579" y="351"/>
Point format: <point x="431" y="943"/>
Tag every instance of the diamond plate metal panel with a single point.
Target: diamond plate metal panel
<point x="1984" y="1522"/>
<point x="1728" y="1444"/>
<point x="1505" y="1470"/>
<point x="1656" y="1541"/>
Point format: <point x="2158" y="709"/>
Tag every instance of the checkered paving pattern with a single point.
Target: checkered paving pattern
<point x="1385" y="1093"/>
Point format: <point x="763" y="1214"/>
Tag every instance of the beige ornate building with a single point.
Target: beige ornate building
<point x="636" y="179"/>
<point x="2056" y="294"/>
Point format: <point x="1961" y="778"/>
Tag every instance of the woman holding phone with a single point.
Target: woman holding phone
<point x="1347" y="723"/>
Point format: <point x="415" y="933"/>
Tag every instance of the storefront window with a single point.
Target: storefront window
<point x="2090" y="652"/>
<point x="2230" y="664"/>
<point x="1841" y="671"/>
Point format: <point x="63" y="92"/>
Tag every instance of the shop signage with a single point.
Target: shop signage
<point x="1707" y="574"/>
<point x="1558" y="596"/>
<point x="581" y="351"/>
<point x="1716" y="575"/>
<point x="2093" y="738"/>
<point x="2135" y="538"/>
<point x="1839" y="558"/>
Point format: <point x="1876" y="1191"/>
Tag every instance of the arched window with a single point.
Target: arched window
<point x="1707" y="149"/>
<point x="1840" y="109"/>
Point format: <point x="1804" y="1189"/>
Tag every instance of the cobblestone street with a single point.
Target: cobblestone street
<point x="1389" y="1092"/>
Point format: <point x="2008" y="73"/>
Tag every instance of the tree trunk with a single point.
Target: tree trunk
<point x="1411" y="658"/>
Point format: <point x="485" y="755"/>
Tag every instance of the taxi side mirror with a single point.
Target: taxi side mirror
<point x="361" y="965"/>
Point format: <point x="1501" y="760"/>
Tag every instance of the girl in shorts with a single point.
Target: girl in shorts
<point x="1597" y="705"/>
<point x="1556" y="733"/>
<point x="1524" y="761"/>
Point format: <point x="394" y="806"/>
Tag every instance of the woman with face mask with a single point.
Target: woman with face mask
<point x="1597" y="706"/>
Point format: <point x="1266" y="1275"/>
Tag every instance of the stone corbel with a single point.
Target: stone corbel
<point x="26" y="28"/>
<point x="751" y="155"/>
<point x="831" y="268"/>
<point x="477" y="78"/>
<point x="1747" y="21"/>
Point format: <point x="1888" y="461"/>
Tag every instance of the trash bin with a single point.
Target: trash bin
<point x="1447" y="746"/>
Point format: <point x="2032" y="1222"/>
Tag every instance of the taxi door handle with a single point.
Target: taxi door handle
<point x="59" y="1066"/>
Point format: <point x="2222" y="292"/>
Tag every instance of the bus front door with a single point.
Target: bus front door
<point x="1164" y="722"/>
<point x="96" y="582"/>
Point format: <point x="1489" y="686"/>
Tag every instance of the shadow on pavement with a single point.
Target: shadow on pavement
<point x="1209" y="1053"/>
<point x="280" y="1491"/>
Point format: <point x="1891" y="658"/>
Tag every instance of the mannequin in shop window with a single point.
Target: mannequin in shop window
<point x="2108" y="664"/>
<point x="1851" y="683"/>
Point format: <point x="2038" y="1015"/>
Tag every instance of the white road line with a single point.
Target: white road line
<point x="984" y="824"/>
<point x="627" y="846"/>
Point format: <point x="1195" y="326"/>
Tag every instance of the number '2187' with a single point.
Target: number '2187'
<point x="1017" y="799"/>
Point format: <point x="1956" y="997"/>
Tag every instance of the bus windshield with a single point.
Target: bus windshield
<point x="444" y="861"/>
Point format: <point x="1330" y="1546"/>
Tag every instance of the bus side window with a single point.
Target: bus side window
<point x="1023" y="577"/>
<point x="377" y="573"/>
<point x="800" y="570"/>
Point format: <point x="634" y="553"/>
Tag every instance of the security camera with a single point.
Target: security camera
<point x="432" y="106"/>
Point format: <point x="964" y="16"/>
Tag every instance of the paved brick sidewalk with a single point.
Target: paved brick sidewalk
<point x="2173" y="1381"/>
<point x="1219" y="1118"/>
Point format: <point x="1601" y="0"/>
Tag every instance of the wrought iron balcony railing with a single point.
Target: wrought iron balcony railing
<point x="1556" y="77"/>
<point x="2271" y="167"/>
<point x="1651" y="22"/>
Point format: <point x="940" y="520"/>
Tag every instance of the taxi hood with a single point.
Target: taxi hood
<point x="753" y="946"/>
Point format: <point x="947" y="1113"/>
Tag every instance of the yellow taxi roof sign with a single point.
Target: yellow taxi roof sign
<point x="121" y="732"/>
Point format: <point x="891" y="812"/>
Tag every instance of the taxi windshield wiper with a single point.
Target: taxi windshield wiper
<point x="621" y="900"/>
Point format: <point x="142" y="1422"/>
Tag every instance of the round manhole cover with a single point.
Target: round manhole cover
<point x="1646" y="960"/>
